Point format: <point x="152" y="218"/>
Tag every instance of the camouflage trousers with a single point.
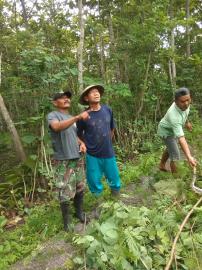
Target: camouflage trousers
<point x="69" y="178"/>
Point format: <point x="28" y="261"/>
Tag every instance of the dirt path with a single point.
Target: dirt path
<point x="54" y="254"/>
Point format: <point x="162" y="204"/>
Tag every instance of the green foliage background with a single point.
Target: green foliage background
<point x="127" y="48"/>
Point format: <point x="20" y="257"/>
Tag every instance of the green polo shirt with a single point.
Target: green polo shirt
<point x="173" y="121"/>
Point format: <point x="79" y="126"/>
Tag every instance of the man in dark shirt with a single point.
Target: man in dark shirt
<point x="97" y="132"/>
<point x="68" y="168"/>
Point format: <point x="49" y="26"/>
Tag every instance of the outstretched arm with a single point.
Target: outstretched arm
<point x="57" y="125"/>
<point x="185" y="149"/>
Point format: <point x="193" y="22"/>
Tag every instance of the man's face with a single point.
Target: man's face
<point x="183" y="102"/>
<point x="93" y="96"/>
<point x="62" y="102"/>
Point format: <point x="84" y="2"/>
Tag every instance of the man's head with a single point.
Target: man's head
<point x="61" y="99"/>
<point x="182" y="98"/>
<point x="91" y="94"/>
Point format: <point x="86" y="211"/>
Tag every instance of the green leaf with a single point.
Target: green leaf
<point x="28" y="139"/>
<point x="94" y="246"/>
<point x="3" y="222"/>
<point x="74" y="71"/>
<point x="147" y="262"/>
<point x="126" y="265"/>
<point x="34" y="119"/>
<point x="111" y="235"/>
<point x="33" y="157"/>
<point x="106" y="226"/>
<point x="104" y="257"/>
<point x="40" y="190"/>
<point x="122" y="214"/>
<point x="78" y="260"/>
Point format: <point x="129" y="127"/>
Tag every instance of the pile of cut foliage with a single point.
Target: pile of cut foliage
<point x="130" y="237"/>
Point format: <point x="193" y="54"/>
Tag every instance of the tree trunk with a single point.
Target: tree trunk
<point x="170" y="74"/>
<point x="188" y="51"/>
<point x="172" y="45"/>
<point x="24" y="13"/>
<point x="112" y="48"/>
<point x="102" y="58"/>
<point x="111" y="32"/>
<point x="11" y="127"/>
<point x="16" y="140"/>
<point x="80" y="46"/>
<point x="126" y="77"/>
<point x="101" y="50"/>
<point x="142" y="93"/>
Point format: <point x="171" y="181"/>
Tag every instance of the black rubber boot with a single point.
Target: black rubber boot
<point x="78" y="204"/>
<point x="65" y="215"/>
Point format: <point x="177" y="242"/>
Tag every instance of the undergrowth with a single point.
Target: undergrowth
<point x="126" y="236"/>
<point x="42" y="223"/>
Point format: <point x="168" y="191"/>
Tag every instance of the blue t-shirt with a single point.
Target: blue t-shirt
<point x="96" y="132"/>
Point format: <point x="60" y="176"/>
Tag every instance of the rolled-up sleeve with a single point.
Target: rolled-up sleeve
<point x="177" y="130"/>
<point x="50" y="117"/>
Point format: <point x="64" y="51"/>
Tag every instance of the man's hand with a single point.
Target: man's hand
<point x="192" y="161"/>
<point x="84" y="115"/>
<point x="82" y="148"/>
<point x="188" y="126"/>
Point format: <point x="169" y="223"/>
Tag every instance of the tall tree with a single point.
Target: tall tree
<point x="11" y="127"/>
<point x="24" y="12"/>
<point x="113" y="47"/>
<point x="172" y="66"/>
<point x="101" y="50"/>
<point x="144" y="88"/>
<point x="188" y="50"/>
<point x="80" y="46"/>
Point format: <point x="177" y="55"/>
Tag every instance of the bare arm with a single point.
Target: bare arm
<point x="61" y="125"/>
<point x="185" y="149"/>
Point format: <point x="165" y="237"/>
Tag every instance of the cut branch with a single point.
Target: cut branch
<point x="179" y="232"/>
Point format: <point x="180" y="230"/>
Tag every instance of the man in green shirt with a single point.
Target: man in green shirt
<point x="170" y="129"/>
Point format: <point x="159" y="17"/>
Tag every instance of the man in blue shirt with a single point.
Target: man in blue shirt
<point x="97" y="132"/>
